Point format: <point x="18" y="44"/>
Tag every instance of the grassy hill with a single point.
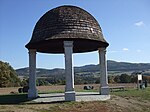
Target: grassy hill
<point x="113" y="67"/>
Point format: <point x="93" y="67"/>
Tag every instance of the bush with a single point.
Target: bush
<point x="25" y="89"/>
<point x="88" y="87"/>
<point x="20" y="90"/>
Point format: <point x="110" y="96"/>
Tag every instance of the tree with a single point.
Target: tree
<point x="25" y="82"/>
<point x="97" y="80"/>
<point x="125" y="78"/>
<point x="111" y="79"/>
<point x="133" y="78"/>
<point x="117" y="79"/>
<point x="8" y="76"/>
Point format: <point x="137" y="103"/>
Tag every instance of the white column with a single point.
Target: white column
<point x="32" y="92"/>
<point x="104" y="88"/>
<point x="69" y="71"/>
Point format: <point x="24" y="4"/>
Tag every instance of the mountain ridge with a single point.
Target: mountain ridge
<point x="112" y="66"/>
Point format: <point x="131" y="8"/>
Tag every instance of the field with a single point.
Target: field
<point x="60" y="88"/>
<point x="130" y="100"/>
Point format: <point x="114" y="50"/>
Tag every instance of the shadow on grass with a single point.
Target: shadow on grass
<point x="13" y="98"/>
<point x="21" y="99"/>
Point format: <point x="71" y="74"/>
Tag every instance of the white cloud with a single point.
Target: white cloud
<point x="125" y="49"/>
<point x="113" y="51"/>
<point x="140" y="23"/>
<point x="117" y="51"/>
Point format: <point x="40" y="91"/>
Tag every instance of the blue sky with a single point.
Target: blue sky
<point x="125" y="25"/>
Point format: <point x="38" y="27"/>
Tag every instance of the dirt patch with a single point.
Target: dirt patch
<point x="61" y="107"/>
<point x="115" y="104"/>
<point x="8" y="90"/>
<point x="130" y="104"/>
<point x="24" y="108"/>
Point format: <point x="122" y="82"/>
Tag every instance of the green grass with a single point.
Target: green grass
<point x="13" y="98"/>
<point x="140" y="94"/>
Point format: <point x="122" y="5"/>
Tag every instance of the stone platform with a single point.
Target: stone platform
<point x="80" y="96"/>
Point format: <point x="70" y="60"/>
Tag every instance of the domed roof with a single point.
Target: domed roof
<point x="67" y="23"/>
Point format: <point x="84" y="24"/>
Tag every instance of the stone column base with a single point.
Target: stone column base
<point x="70" y="96"/>
<point x="32" y="93"/>
<point x="104" y="90"/>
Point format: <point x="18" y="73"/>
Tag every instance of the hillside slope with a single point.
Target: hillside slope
<point x="112" y="66"/>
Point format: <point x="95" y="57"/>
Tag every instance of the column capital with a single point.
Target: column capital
<point x="32" y="50"/>
<point x="102" y="49"/>
<point x="68" y="43"/>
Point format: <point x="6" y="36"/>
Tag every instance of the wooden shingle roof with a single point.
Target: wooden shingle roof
<point x="67" y="23"/>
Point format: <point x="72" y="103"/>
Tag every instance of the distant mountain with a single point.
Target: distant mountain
<point x="40" y="72"/>
<point x="112" y="66"/>
<point x="124" y="66"/>
<point x="115" y="66"/>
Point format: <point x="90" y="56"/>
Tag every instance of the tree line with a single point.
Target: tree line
<point x="9" y="78"/>
<point x="125" y="78"/>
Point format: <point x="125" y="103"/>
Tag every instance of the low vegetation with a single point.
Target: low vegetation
<point x="142" y="94"/>
<point x="91" y="79"/>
